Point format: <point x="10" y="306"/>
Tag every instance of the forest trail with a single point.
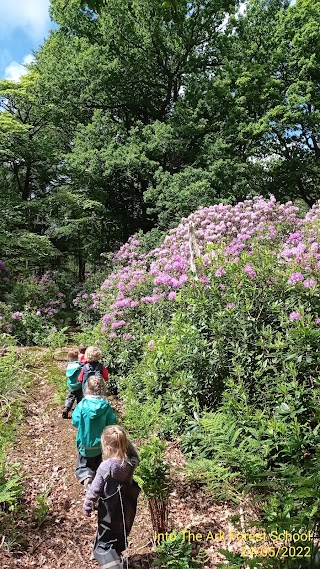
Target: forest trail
<point x="45" y="449"/>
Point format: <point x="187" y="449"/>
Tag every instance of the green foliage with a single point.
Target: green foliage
<point x="41" y="511"/>
<point x="231" y="374"/>
<point x="58" y="379"/>
<point x="11" y="488"/>
<point x="190" y="104"/>
<point x="176" y="553"/>
<point x="153" y="472"/>
<point x="141" y="419"/>
<point x="20" y="371"/>
<point x="33" y="308"/>
<point x="54" y="339"/>
<point x="8" y="371"/>
<point x="11" y="495"/>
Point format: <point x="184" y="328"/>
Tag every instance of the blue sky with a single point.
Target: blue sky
<point x="24" y="24"/>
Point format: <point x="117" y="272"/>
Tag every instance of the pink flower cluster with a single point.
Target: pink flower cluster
<point x="301" y="250"/>
<point x="140" y="278"/>
<point x="46" y="301"/>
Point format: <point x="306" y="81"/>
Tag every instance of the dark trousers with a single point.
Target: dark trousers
<point x="87" y="466"/>
<point x="72" y="397"/>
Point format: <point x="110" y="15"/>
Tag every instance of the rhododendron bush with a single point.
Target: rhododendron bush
<point x="170" y="333"/>
<point x="35" y="308"/>
<point x="227" y="359"/>
<point x="223" y="233"/>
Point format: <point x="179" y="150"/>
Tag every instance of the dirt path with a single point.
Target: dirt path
<point x="46" y="450"/>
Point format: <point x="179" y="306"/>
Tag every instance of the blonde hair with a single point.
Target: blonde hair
<point x="96" y="385"/>
<point x="115" y="442"/>
<point x="73" y="354"/>
<point x="93" y="354"/>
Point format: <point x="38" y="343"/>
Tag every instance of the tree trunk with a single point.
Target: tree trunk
<point x="27" y="186"/>
<point x="309" y="201"/>
<point x="81" y="260"/>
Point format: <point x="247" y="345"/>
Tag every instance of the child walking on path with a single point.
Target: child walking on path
<point x="118" y="494"/>
<point x="75" y="387"/>
<point x="81" y="356"/>
<point x="92" y="367"/>
<point x="91" y="416"/>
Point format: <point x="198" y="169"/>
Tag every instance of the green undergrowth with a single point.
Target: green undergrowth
<point x="56" y="376"/>
<point x="21" y="370"/>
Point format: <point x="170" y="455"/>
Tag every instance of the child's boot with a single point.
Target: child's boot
<point x="65" y="413"/>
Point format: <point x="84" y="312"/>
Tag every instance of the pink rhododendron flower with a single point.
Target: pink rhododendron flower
<point x="118" y="324"/>
<point x="296" y="278"/>
<point x="127" y="336"/>
<point x="16" y="315"/>
<point x="220" y="272"/>
<point x="295" y="316"/>
<point x="249" y="270"/>
<point x="310" y="283"/>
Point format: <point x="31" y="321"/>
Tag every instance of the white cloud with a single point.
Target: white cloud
<point x="239" y="12"/>
<point x="14" y="71"/>
<point x="30" y="15"/>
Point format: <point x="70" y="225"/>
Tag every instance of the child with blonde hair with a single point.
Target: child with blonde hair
<point x="91" y="416"/>
<point x="117" y="493"/>
<point x="93" y="366"/>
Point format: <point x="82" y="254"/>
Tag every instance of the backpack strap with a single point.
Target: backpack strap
<point x="107" y="474"/>
<point x="105" y="477"/>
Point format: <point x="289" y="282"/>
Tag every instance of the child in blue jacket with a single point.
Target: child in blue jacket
<point x="73" y="370"/>
<point x="91" y="416"/>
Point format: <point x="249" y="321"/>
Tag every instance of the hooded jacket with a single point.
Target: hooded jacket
<point x="91" y="416"/>
<point x="72" y="372"/>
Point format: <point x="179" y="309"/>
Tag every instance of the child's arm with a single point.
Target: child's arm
<point x="94" y="492"/>
<point x="105" y="373"/>
<point x="132" y="455"/>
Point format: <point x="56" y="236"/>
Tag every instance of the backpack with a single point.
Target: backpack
<point x="91" y="368"/>
<point x="116" y="512"/>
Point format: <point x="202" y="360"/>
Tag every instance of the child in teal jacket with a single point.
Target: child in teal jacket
<point x="91" y="416"/>
<point x="73" y="370"/>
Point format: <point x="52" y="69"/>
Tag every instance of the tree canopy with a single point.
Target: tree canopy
<point x="137" y="112"/>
